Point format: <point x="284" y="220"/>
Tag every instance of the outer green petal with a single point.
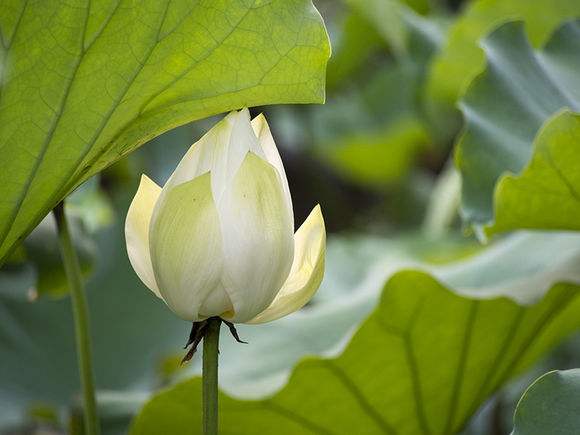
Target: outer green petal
<point x="137" y="231"/>
<point x="186" y="249"/>
<point x="266" y="140"/>
<point x="307" y="270"/>
<point x="257" y="234"/>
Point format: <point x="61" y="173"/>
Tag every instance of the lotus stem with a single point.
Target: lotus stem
<point x="81" y="320"/>
<point x="210" y="376"/>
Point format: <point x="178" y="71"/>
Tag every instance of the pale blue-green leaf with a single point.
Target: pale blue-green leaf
<point x="507" y="104"/>
<point x="550" y="405"/>
<point x="461" y="57"/>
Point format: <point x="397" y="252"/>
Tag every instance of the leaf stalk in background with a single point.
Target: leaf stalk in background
<point x="81" y="320"/>
<point x="444" y="202"/>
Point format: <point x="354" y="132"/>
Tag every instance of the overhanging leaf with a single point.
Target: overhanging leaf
<point x="550" y="405"/>
<point x="461" y="58"/>
<point x="506" y="105"/>
<point x="85" y="83"/>
<point x="409" y="369"/>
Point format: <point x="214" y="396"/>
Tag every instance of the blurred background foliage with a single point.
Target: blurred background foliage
<point x="377" y="157"/>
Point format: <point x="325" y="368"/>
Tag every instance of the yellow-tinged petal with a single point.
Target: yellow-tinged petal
<point x="257" y="235"/>
<point x="186" y="250"/>
<point x="137" y="231"/>
<point x="307" y="270"/>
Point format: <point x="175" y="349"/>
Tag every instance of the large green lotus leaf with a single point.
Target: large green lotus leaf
<point x="506" y="106"/>
<point x="461" y="58"/>
<point x="409" y="369"/>
<point x="84" y="83"/>
<point x="550" y="405"/>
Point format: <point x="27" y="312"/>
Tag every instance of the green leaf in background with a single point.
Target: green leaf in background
<point x="17" y="277"/>
<point x="372" y="137"/>
<point x="550" y="405"/>
<point x="38" y="364"/>
<point x="461" y="58"/>
<point x="36" y="268"/>
<point x="547" y="193"/>
<point x="43" y="251"/>
<point x="371" y="130"/>
<point x="91" y="205"/>
<point x="409" y="369"/>
<point x="40" y="272"/>
<point x="85" y="83"/>
<point x="358" y="40"/>
<point x="388" y="18"/>
<point x="506" y="106"/>
<point x="380" y="158"/>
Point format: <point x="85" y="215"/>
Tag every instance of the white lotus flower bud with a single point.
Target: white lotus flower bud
<point x="218" y="239"/>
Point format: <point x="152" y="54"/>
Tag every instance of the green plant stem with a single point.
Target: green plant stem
<point x="210" y="376"/>
<point x="81" y="321"/>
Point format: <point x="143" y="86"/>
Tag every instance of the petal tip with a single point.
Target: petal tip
<point x="260" y="126"/>
<point x="316" y="215"/>
<point x="243" y="115"/>
<point x="145" y="180"/>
